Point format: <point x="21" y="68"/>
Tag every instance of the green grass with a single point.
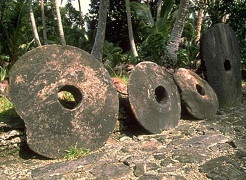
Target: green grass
<point x="6" y="109"/>
<point x="124" y="78"/>
<point x="75" y="152"/>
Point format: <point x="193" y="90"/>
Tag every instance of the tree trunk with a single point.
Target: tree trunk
<point x="158" y="14"/>
<point x="43" y="22"/>
<point x="97" y="50"/>
<point x="80" y="15"/>
<point x="33" y="23"/>
<point x="175" y="37"/>
<point x="59" y="21"/>
<point x="130" y="30"/>
<point x="199" y="25"/>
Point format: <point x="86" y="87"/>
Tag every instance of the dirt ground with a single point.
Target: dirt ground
<point x="213" y="148"/>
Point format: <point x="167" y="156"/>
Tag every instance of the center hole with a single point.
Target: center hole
<point x="69" y="96"/>
<point x="227" y="65"/>
<point x="161" y="95"/>
<point x="200" y="89"/>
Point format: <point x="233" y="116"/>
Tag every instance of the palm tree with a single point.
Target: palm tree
<point x="199" y="24"/>
<point x="80" y="15"/>
<point x="59" y="21"/>
<point x="156" y="30"/>
<point x="97" y="50"/>
<point x="43" y="22"/>
<point x="130" y="31"/>
<point x="33" y="23"/>
<point x="158" y="13"/>
<point x="175" y="37"/>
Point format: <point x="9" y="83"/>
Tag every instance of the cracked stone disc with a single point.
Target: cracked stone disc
<point x="197" y="97"/>
<point x="154" y="97"/>
<point x="41" y="82"/>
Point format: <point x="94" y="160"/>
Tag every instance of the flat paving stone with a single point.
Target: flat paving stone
<point x="110" y="171"/>
<point x="223" y="168"/>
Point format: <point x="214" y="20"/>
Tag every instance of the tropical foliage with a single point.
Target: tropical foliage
<point x="151" y="29"/>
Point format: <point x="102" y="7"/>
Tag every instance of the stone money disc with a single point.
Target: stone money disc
<point x="38" y="82"/>
<point x="197" y="97"/>
<point x="154" y="97"/>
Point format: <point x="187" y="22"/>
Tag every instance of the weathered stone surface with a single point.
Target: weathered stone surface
<point x="62" y="167"/>
<point x="197" y="97"/>
<point x="220" y="55"/>
<point x="182" y="154"/>
<point x="110" y="171"/>
<point x="140" y="169"/>
<point x="160" y="177"/>
<point x="53" y="127"/>
<point x="154" y="97"/>
<point x="223" y="168"/>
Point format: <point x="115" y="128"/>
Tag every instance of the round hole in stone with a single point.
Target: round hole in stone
<point x="227" y="65"/>
<point x="200" y="89"/>
<point x="69" y="96"/>
<point x="161" y="95"/>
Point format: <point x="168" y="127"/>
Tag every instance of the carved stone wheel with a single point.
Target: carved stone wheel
<point x="154" y="97"/>
<point x="220" y="53"/>
<point x="39" y="83"/>
<point x="197" y="97"/>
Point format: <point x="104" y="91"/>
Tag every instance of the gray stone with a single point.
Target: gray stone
<point x="171" y="168"/>
<point x="223" y="168"/>
<point x="159" y="156"/>
<point x="220" y="55"/>
<point x="154" y="97"/>
<point x="110" y="171"/>
<point x="54" y="124"/>
<point x="64" y="167"/>
<point x="140" y="169"/>
<point x="205" y="141"/>
<point x="197" y="97"/>
<point x="150" y="177"/>
<point x="189" y="156"/>
<point x="160" y="177"/>
<point x="167" y="162"/>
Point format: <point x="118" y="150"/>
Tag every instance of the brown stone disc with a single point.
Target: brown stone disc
<point x="197" y="97"/>
<point x="154" y="97"/>
<point x="220" y="53"/>
<point x="38" y="82"/>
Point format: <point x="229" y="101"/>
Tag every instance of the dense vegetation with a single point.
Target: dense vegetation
<point x="151" y="31"/>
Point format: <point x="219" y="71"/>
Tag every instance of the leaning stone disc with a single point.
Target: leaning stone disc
<point x="154" y="97"/>
<point x="220" y="54"/>
<point x="54" y="126"/>
<point x="197" y="97"/>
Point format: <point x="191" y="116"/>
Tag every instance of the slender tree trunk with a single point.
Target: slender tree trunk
<point x="147" y="2"/>
<point x="97" y="50"/>
<point x="33" y="23"/>
<point x="130" y="30"/>
<point x="199" y="25"/>
<point x="59" y="21"/>
<point x="175" y="37"/>
<point x="43" y="22"/>
<point x="224" y="18"/>
<point x="158" y="13"/>
<point x="80" y="15"/>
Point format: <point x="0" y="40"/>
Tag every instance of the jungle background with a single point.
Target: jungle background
<point x="152" y="24"/>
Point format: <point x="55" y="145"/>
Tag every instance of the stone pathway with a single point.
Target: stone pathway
<point x="195" y="150"/>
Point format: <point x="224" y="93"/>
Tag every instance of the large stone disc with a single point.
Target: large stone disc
<point x="53" y="127"/>
<point x="220" y="54"/>
<point x="154" y="97"/>
<point x="197" y="97"/>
